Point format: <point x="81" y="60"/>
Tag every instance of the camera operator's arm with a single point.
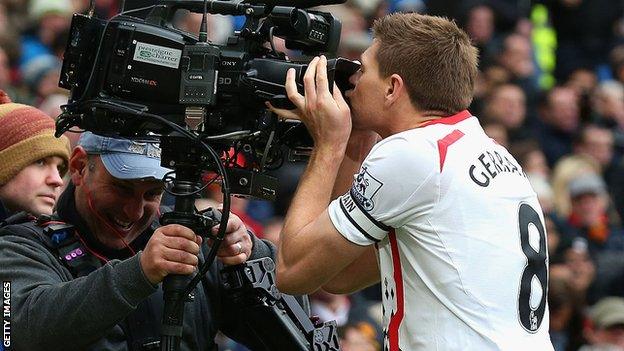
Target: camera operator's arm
<point x="52" y="310"/>
<point x="311" y="250"/>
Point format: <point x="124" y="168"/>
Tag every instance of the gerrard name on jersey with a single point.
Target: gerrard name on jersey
<point x="491" y="163"/>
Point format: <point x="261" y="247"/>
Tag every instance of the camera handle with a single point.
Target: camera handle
<point x="185" y="158"/>
<point x="163" y="13"/>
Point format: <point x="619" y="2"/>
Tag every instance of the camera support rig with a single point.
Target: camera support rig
<point x="253" y="288"/>
<point x="252" y="284"/>
<point x="134" y="77"/>
<point x="183" y="156"/>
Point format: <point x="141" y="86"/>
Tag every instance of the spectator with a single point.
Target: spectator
<point x="583" y="81"/>
<point x="584" y="45"/>
<point x="360" y="336"/>
<point x="608" y="104"/>
<point x="41" y="76"/>
<point x="32" y="160"/>
<point x="576" y="257"/>
<point x="487" y="81"/>
<point x="560" y="118"/>
<point x="565" y="309"/>
<point x="596" y="141"/>
<point x="9" y="75"/>
<point x="517" y="57"/>
<point x="608" y="109"/>
<point x="49" y="19"/>
<point x="507" y="105"/>
<point x="606" y="330"/>
<point x="531" y="158"/>
<point x="565" y="170"/>
<point x="481" y="27"/>
<point x="589" y="216"/>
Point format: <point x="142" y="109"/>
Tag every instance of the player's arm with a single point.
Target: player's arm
<point x="312" y="256"/>
<point x="311" y="250"/>
<point x="362" y="273"/>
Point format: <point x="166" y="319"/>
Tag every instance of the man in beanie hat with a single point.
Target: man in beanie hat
<point x="32" y="160"/>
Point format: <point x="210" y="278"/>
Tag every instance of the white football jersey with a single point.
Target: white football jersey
<point x="460" y="237"/>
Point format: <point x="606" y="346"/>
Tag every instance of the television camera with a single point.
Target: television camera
<point x="136" y="75"/>
<point x="122" y="70"/>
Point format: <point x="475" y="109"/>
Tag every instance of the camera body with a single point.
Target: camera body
<point x="120" y="69"/>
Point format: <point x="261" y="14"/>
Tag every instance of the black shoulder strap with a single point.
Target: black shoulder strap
<point x="71" y="251"/>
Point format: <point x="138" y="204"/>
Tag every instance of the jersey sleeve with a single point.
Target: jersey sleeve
<point x="396" y="181"/>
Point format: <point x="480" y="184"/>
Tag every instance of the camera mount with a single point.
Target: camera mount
<point x="140" y="76"/>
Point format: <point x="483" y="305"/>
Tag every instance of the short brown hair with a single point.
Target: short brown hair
<point x="434" y="57"/>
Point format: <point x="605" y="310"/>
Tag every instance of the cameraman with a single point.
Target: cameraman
<point x="96" y="285"/>
<point x="438" y="212"/>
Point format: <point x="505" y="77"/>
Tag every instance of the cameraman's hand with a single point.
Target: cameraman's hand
<point x="326" y="115"/>
<point x="236" y="246"/>
<point x="172" y="249"/>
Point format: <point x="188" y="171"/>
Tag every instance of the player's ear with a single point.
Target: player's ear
<point x="395" y="87"/>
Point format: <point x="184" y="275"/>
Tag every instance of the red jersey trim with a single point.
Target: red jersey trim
<point x="444" y="143"/>
<point x="454" y="119"/>
<point x="397" y="318"/>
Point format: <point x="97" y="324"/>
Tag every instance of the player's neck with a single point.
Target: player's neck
<point x="410" y="119"/>
<point x="429" y="115"/>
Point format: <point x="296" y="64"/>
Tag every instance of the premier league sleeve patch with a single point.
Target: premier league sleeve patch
<point x="364" y="189"/>
<point x="352" y="213"/>
<point x="356" y="205"/>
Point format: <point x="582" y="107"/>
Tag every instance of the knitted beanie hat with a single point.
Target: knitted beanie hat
<point x="26" y="135"/>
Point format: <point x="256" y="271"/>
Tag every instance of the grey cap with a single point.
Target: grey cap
<point x="125" y="158"/>
<point x="607" y="312"/>
<point x="587" y="184"/>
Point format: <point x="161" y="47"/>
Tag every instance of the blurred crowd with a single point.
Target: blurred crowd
<point x="550" y="89"/>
